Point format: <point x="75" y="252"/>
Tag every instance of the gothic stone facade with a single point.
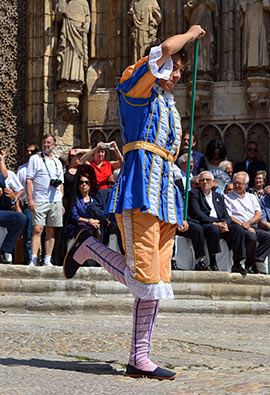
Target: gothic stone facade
<point x="232" y="98"/>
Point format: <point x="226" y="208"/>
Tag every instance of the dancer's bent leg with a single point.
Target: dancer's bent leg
<point x="91" y="248"/>
<point x="144" y="315"/>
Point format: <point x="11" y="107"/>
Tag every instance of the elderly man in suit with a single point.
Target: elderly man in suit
<point x="209" y="209"/>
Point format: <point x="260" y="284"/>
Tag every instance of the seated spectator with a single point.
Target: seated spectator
<point x="103" y="169"/>
<point x="182" y="163"/>
<point x="79" y="219"/>
<point x="108" y="223"/>
<point x="250" y="164"/>
<point x="227" y="167"/>
<point x="220" y="180"/>
<point x="258" y="189"/>
<point x="14" y="222"/>
<point x="208" y="209"/>
<point x="245" y="210"/>
<point x="215" y="154"/>
<point x="13" y="184"/>
<point x="70" y="194"/>
<point x="194" y="182"/>
<point x="267" y="190"/>
<point x="198" y="158"/>
<point x="228" y="188"/>
<point x="265" y="207"/>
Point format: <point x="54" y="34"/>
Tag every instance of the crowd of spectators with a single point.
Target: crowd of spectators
<point x="51" y="199"/>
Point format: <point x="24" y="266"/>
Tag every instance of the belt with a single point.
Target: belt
<point x="165" y="154"/>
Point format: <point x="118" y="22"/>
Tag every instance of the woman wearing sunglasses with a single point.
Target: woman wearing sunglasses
<point x="87" y="189"/>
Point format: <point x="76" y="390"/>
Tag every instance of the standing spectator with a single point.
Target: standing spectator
<point x="245" y="210"/>
<point x="44" y="185"/>
<point x="258" y="189"/>
<point x="103" y="168"/>
<point x="250" y="164"/>
<point x="31" y="149"/>
<point x="215" y="154"/>
<point x="198" y="158"/>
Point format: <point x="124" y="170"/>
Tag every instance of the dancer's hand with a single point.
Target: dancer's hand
<point x="182" y="228"/>
<point x="196" y="31"/>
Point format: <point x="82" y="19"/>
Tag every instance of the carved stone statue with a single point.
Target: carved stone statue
<point x="72" y="52"/>
<point x="144" y="16"/>
<point x="252" y="18"/>
<point x="204" y="13"/>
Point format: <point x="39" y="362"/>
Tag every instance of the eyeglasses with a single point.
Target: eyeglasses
<point x="205" y="179"/>
<point x="84" y="182"/>
<point x="229" y="189"/>
<point x="253" y="149"/>
<point x="238" y="183"/>
<point x="111" y="183"/>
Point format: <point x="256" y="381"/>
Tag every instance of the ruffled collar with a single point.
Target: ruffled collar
<point x="168" y="97"/>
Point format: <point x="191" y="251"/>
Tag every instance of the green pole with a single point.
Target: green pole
<point x="196" y="51"/>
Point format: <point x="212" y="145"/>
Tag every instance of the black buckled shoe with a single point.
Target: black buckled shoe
<point x="70" y="266"/>
<point x="202" y="266"/>
<point x="158" y="373"/>
<point x="238" y="268"/>
<point x="214" y="267"/>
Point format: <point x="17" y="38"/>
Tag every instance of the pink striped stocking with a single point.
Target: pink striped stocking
<point x="144" y="315"/>
<point x="113" y="262"/>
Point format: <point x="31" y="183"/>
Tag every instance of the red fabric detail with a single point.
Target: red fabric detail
<point x="102" y="173"/>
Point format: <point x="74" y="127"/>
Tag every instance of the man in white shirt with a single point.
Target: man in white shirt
<point x="245" y="210"/>
<point x="44" y="185"/>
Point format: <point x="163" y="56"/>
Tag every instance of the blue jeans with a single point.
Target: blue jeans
<point x="27" y="235"/>
<point x="14" y="222"/>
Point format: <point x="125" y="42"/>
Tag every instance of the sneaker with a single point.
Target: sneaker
<point x="70" y="266"/>
<point x="158" y="373"/>
<point x="32" y="264"/>
<point x="202" y="266"/>
<point x="238" y="268"/>
<point x="48" y="264"/>
<point x="3" y="259"/>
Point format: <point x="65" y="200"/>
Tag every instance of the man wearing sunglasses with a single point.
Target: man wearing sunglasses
<point x="208" y="208"/>
<point x="250" y="164"/>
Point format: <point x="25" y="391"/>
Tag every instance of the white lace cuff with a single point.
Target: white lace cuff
<point x="166" y="69"/>
<point x="160" y="290"/>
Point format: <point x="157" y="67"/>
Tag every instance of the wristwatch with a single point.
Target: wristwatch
<point x="251" y="222"/>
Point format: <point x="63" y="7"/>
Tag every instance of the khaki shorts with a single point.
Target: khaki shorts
<point x="48" y="214"/>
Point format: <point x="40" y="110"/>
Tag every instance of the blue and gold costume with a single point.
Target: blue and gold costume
<point x="145" y="199"/>
<point x="146" y="114"/>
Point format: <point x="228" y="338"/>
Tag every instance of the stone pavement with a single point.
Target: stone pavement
<point x="85" y="354"/>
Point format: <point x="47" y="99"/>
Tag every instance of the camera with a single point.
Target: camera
<point x="55" y="183"/>
<point x="107" y="145"/>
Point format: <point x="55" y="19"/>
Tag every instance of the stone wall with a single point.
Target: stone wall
<point x="12" y="79"/>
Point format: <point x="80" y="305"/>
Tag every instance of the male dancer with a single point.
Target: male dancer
<point x="147" y="204"/>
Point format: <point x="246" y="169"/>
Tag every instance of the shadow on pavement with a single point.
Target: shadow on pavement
<point x="76" y="366"/>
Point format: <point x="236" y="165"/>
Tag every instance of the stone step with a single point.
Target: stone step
<point x="24" y="288"/>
